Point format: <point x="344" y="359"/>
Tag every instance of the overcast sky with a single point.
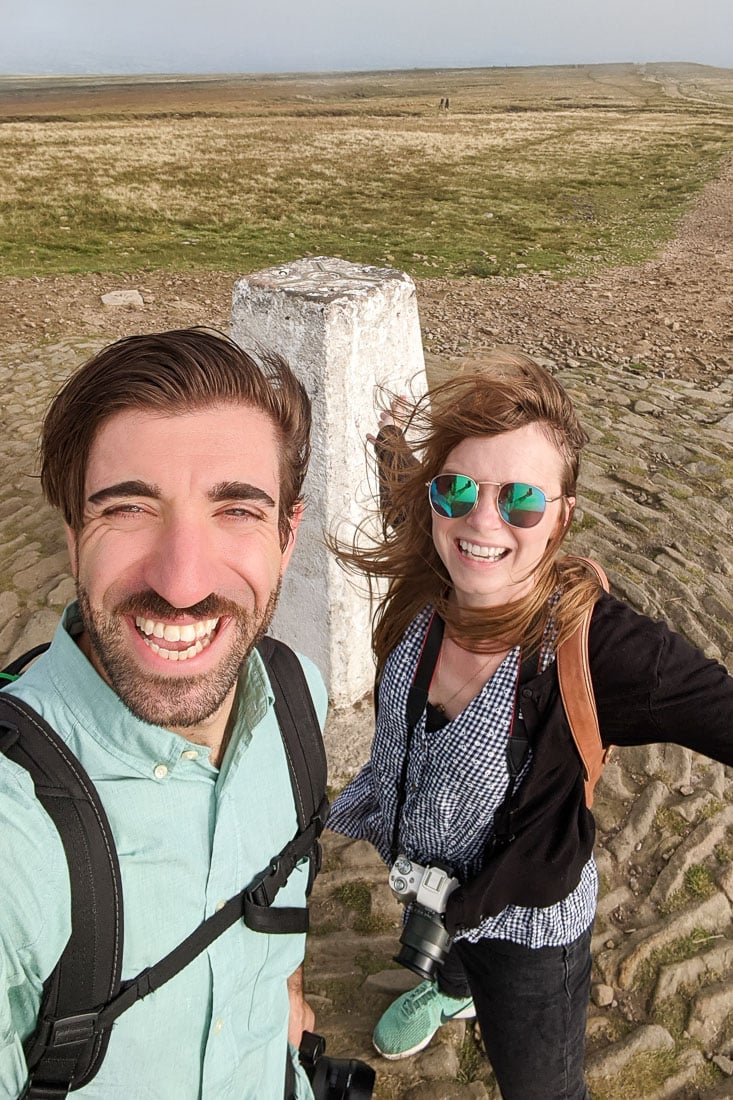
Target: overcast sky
<point x="114" y="36"/>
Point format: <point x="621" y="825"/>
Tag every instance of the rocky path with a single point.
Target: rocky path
<point x="655" y="508"/>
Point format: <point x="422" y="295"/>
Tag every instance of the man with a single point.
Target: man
<point x="177" y="463"/>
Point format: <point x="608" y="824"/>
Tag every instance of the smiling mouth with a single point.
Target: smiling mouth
<point x="176" y="641"/>
<point x="475" y="552"/>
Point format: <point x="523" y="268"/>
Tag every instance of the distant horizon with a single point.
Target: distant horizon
<point x="219" y="73"/>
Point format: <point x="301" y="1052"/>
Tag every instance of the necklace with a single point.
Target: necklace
<point x="443" y="707"/>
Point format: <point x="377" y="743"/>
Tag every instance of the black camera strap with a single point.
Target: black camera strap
<point x="517" y="746"/>
<point x="417" y="700"/>
<point x="517" y="751"/>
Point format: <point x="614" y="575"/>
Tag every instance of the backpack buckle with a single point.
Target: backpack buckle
<point x="73" y="1029"/>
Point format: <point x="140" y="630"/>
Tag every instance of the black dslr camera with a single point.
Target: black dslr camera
<point x="334" y="1078"/>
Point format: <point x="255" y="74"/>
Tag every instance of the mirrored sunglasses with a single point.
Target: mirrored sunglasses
<point x="519" y="504"/>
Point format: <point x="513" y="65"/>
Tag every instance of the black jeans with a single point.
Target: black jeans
<point x="532" y="1006"/>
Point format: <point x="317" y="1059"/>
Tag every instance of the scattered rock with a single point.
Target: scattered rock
<point x="131" y="299"/>
<point x="602" y="995"/>
<point x="725" y="1065"/>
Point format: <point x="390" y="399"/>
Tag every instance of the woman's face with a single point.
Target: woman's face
<point x="490" y="562"/>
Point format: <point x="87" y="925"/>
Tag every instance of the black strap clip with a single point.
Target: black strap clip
<point x="73" y="1029"/>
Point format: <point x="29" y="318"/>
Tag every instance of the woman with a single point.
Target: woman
<point x="479" y="773"/>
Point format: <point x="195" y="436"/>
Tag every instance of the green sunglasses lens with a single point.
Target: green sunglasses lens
<point x="521" y="505"/>
<point x="453" y="495"/>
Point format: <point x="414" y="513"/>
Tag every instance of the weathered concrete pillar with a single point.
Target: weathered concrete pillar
<point x="345" y="329"/>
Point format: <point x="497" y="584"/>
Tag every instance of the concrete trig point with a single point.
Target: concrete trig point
<point x="345" y="329"/>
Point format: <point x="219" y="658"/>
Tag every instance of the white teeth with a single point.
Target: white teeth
<point x="178" y="654"/>
<point x="489" y="553"/>
<point x="172" y="632"/>
<point x="199" y="633"/>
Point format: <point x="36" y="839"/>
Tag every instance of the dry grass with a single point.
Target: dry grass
<point x="538" y="169"/>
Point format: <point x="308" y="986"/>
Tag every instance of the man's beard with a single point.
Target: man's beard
<point x="173" y="702"/>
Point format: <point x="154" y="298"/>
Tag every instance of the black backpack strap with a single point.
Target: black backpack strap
<point x="253" y="905"/>
<point x="301" y="731"/>
<point x="67" y="1044"/>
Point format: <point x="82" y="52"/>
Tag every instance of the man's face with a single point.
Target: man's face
<point x="178" y="562"/>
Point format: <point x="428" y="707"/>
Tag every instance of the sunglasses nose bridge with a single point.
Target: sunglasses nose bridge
<point x="485" y="510"/>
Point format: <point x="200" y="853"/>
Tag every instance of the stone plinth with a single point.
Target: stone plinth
<point x="345" y="329"/>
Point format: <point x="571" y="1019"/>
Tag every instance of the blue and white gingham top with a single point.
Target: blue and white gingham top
<point x="457" y="778"/>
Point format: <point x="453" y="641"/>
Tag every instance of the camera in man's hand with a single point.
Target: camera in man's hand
<point x="334" y="1078"/>
<point x="425" y="941"/>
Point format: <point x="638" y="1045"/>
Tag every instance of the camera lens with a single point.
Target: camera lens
<point x="425" y="942"/>
<point x="342" y="1079"/>
<point x="334" y="1078"/>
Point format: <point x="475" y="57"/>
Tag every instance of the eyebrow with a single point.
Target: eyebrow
<point x="125" y="489"/>
<point x="239" y="490"/>
<point x="223" y="491"/>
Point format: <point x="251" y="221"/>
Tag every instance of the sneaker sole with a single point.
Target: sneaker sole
<point x="468" y="1013"/>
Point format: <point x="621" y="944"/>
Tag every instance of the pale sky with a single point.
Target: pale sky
<point x="115" y="36"/>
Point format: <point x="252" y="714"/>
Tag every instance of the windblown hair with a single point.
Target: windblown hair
<point x="508" y="391"/>
<point x="171" y="373"/>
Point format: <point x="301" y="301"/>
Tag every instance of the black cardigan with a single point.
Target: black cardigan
<point x="650" y="685"/>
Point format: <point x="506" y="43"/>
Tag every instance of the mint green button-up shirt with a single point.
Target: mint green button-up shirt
<point x="188" y="836"/>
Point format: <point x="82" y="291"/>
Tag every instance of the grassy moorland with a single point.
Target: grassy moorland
<point x="544" y="169"/>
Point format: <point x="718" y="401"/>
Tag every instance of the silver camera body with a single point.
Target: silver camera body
<point x="429" y="886"/>
<point x="424" y="941"/>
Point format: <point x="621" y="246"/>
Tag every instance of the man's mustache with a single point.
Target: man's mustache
<point x="153" y="606"/>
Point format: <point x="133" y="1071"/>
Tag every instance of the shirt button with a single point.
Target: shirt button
<point x="220" y="904"/>
<point x="190" y="754"/>
<point x="160" y="771"/>
<point x="218" y="1026"/>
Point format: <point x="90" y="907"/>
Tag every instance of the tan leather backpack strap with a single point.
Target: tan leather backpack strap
<point x="576" y="689"/>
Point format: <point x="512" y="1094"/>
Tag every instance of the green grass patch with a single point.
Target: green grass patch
<point x="684" y="948"/>
<point x="643" y="1076"/>
<point x="472" y="1065"/>
<point x="698" y="885"/>
<point x="668" y="820"/>
<point x="369" y="962"/>
<point x="672" y="1014"/>
<point x="357" y="897"/>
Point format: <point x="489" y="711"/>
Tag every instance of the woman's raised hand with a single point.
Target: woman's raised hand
<point x="396" y="416"/>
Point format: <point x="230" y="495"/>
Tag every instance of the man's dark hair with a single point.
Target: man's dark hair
<point x="172" y="372"/>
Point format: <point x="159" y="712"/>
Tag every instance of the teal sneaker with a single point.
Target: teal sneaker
<point x="410" y="1022"/>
